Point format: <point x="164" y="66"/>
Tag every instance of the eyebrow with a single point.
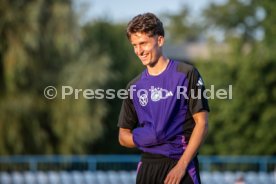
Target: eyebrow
<point x="142" y="42"/>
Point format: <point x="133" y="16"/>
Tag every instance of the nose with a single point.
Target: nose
<point x="138" y="50"/>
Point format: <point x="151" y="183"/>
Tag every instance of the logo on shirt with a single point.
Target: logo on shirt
<point x="200" y="82"/>
<point x="159" y="93"/>
<point x="143" y="99"/>
<point x="155" y="94"/>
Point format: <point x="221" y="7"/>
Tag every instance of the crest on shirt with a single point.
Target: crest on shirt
<point x="143" y="99"/>
<point x="156" y="94"/>
<point x="159" y="93"/>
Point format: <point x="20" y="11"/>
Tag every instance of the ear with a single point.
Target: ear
<point x="161" y="41"/>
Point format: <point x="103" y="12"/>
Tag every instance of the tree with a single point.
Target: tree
<point x="40" y="46"/>
<point x="243" y="125"/>
<point x="249" y="21"/>
<point x="179" y="27"/>
<point x="111" y="40"/>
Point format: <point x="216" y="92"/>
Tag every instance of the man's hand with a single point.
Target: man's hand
<point x="176" y="174"/>
<point x="197" y="137"/>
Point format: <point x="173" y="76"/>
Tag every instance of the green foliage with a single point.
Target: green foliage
<point x="235" y="16"/>
<point x="40" y="46"/>
<point x="243" y="125"/>
<point x="178" y="27"/>
<point x="111" y="40"/>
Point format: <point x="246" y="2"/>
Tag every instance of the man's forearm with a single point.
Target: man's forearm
<point x="197" y="138"/>
<point x="126" y="138"/>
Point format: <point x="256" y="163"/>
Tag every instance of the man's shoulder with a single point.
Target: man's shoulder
<point x="184" y="67"/>
<point x="134" y="80"/>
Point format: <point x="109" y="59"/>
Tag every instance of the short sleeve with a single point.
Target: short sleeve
<point x="197" y="101"/>
<point x="128" y="116"/>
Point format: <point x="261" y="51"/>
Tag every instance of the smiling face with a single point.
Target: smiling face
<point x="147" y="48"/>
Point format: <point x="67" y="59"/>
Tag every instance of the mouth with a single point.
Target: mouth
<point x="144" y="56"/>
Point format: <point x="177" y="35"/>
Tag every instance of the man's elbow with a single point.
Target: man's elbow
<point x="121" y="141"/>
<point x="125" y="144"/>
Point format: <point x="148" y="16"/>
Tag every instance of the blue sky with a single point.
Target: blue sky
<point x="123" y="10"/>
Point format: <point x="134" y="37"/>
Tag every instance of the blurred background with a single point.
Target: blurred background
<point x="83" y="44"/>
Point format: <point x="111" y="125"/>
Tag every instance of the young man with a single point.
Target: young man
<point x="165" y="115"/>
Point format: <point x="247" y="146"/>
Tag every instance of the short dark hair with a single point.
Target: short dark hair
<point x="145" y="23"/>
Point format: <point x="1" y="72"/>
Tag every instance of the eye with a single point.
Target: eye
<point x="143" y="43"/>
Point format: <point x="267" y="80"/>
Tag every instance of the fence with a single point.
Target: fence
<point x="129" y="162"/>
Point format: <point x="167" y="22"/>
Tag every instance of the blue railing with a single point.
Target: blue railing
<point x="262" y="163"/>
<point x="129" y="162"/>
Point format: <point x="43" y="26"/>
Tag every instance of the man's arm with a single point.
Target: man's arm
<point x="126" y="138"/>
<point x="197" y="138"/>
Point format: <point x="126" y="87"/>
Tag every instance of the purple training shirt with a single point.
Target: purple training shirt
<point x="159" y="109"/>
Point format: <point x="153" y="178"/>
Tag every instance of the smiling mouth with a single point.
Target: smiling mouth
<point x="144" y="56"/>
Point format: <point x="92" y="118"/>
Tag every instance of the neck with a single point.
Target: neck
<point x="159" y="66"/>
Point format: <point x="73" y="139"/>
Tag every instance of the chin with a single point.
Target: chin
<point x="145" y="63"/>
